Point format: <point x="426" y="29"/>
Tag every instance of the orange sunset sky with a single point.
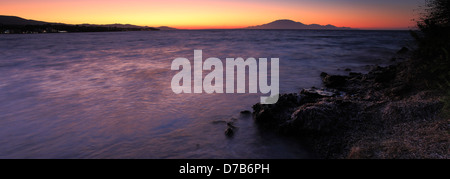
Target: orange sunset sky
<point x="195" y="14"/>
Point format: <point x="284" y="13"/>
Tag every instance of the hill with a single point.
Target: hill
<point x="17" y="25"/>
<point x="14" y="20"/>
<point x="166" y="28"/>
<point x="290" y="24"/>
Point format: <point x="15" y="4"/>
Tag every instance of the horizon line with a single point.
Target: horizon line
<point x="221" y="27"/>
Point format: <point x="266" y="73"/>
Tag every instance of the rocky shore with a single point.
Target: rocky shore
<point x="381" y="114"/>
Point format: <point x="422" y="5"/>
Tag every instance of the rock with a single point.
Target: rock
<point x="385" y="75"/>
<point x="317" y="93"/>
<point x="246" y="112"/>
<point x="313" y="111"/>
<point x="229" y="132"/>
<point x="219" y="122"/>
<point x="353" y="74"/>
<point x="311" y="93"/>
<point x="319" y="117"/>
<point x="403" y="50"/>
<point x="270" y="115"/>
<point x="333" y="81"/>
<point x="231" y="125"/>
<point x="413" y="109"/>
<point x="360" y="112"/>
<point x="348" y="69"/>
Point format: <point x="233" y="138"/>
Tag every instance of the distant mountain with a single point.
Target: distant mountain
<point x="17" y="25"/>
<point x="122" y="26"/>
<point x="166" y="28"/>
<point x="13" y="20"/>
<point x="290" y="24"/>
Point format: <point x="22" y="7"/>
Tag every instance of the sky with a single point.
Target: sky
<point x="198" y="14"/>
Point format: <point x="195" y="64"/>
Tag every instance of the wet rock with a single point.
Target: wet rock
<point x="385" y="75"/>
<point x="333" y="81"/>
<point x="276" y="115"/>
<point x="231" y="125"/>
<point x="319" y="117"/>
<point x="219" y="122"/>
<point x="311" y="93"/>
<point x="229" y="132"/>
<point x="317" y="93"/>
<point x="403" y="50"/>
<point x="270" y="115"/>
<point x="358" y="107"/>
<point x="353" y="74"/>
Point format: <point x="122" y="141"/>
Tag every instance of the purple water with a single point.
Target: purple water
<point x="108" y="95"/>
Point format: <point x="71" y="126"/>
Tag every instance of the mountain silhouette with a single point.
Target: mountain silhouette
<point x="18" y="21"/>
<point x="14" y="20"/>
<point x="124" y="26"/>
<point x="290" y="24"/>
<point x="17" y="25"/>
<point x="166" y="28"/>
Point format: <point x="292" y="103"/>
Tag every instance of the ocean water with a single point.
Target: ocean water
<point x="108" y="95"/>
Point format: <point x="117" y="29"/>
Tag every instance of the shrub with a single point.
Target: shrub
<point x="432" y="62"/>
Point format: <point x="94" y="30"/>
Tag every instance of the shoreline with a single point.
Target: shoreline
<point x="381" y="114"/>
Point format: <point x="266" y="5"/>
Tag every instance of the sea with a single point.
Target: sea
<point x="109" y="95"/>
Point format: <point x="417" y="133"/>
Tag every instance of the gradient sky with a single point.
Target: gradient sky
<point x="364" y="14"/>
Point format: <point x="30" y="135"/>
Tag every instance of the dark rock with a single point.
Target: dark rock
<point x="359" y="112"/>
<point x="333" y="81"/>
<point x="403" y="50"/>
<point x="311" y="93"/>
<point x="319" y="117"/>
<point x="277" y="115"/>
<point x="219" y="122"/>
<point x="317" y="93"/>
<point x="229" y="132"/>
<point x="231" y="125"/>
<point x="270" y="115"/>
<point x="398" y="90"/>
<point x="348" y="69"/>
<point x="385" y="75"/>
<point x="246" y="112"/>
<point x="352" y="74"/>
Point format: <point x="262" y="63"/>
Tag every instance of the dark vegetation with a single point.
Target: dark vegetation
<point x="430" y="65"/>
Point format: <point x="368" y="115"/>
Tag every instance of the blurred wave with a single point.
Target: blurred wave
<point x="108" y="95"/>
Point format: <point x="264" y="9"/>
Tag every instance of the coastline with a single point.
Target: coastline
<point x="381" y="114"/>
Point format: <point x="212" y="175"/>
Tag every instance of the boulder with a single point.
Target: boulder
<point x="321" y="117"/>
<point x="229" y="132"/>
<point x="403" y="50"/>
<point x="333" y="81"/>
